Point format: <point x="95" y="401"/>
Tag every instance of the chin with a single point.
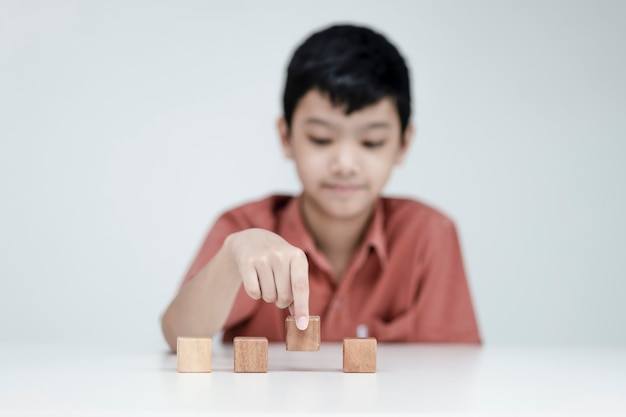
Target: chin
<point x="341" y="206"/>
<point x="346" y="210"/>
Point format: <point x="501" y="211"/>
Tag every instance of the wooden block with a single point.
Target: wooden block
<point x="359" y="354"/>
<point x="250" y="354"/>
<point x="194" y="354"/>
<point x="308" y="339"/>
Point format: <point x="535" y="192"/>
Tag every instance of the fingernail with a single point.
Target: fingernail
<point x="302" y="322"/>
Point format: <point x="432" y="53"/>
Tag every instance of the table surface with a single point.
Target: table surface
<point x="421" y="379"/>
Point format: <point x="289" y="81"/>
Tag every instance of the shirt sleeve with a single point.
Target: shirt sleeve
<point x="443" y="310"/>
<point x="230" y="222"/>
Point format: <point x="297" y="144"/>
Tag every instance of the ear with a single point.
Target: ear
<point x="406" y="142"/>
<point x="285" y="137"/>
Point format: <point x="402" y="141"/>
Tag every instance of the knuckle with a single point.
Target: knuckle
<point x="245" y="263"/>
<point x="278" y="258"/>
<point x="301" y="257"/>
<point x="284" y="299"/>
<point x="252" y="290"/>
<point x="262" y="261"/>
<point x="269" y="297"/>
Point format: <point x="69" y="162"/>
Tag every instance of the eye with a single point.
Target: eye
<point x="320" y="141"/>
<point x="371" y="144"/>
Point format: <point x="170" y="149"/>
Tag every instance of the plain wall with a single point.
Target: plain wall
<point x="126" y="127"/>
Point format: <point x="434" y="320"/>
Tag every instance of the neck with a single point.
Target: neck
<point x="336" y="238"/>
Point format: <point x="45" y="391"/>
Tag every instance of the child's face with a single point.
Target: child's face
<point x="343" y="161"/>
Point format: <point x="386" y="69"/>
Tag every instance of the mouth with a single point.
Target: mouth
<point x="343" y="188"/>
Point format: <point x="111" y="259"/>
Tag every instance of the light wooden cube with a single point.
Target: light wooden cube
<point x="194" y="354"/>
<point x="308" y="339"/>
<point x="359" y="354"/>
<point x="250" y="354"/>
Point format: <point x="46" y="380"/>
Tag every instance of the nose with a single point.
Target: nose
<point x="344" y="162"/>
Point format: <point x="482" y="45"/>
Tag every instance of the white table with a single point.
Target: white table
<point x="421" y="379"/>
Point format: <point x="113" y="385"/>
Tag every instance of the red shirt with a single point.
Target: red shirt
<point x="406" y="281"/>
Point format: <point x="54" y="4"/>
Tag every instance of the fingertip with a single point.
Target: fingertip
<point x="302" y="322"/>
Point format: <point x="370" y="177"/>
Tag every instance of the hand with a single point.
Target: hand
<point x="273" y="270"/>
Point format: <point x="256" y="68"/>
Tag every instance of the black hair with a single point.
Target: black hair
<point x="354" y="66"/>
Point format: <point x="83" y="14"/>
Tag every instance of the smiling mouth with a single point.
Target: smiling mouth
<point x="342" y="188"/>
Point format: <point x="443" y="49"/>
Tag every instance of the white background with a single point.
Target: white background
<point x="126" y="127"/>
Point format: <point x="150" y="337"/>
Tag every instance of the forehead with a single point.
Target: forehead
<point x="315" y="107"/>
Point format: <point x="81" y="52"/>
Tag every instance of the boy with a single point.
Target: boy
<point x="384" y="267"/>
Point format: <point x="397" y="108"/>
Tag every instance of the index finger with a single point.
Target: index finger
<point x="299" y="274"/>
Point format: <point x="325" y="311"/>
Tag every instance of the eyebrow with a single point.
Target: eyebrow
<point x="316" y="121"/>
<point x="369" y="126"/>
<point x="376" y="125"/>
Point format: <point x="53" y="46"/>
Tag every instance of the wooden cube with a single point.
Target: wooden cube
<point x="194" y="354"/>
<point x="359" y="354"/>
<point x="250" y="354"/>
<point x="308" y="339"/>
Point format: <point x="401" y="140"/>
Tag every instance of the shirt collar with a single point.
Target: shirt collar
<point x="294" y="231"/>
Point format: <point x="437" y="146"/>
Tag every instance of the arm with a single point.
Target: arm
<point x="266" y="265"/>
<point x="202" y="305"/>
